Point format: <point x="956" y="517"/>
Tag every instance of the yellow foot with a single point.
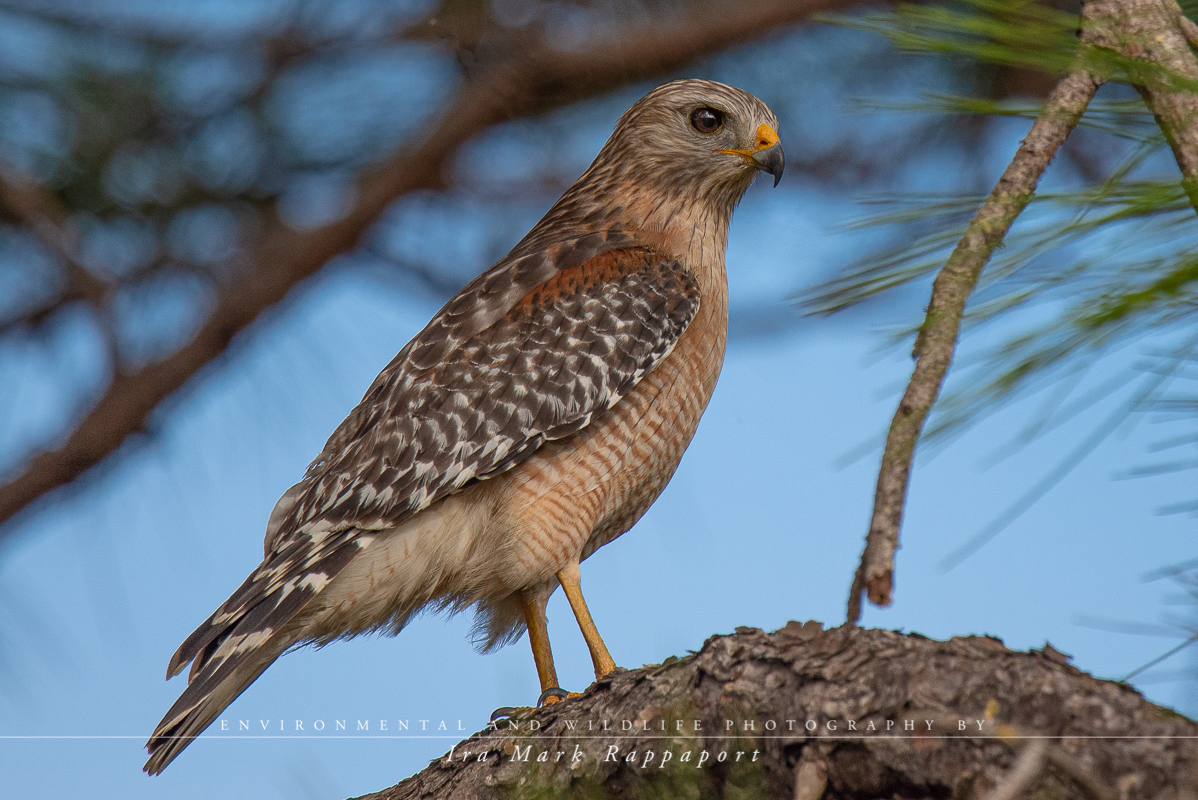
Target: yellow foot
<point x="548" y="697"/>
<point x="554" y="695"/>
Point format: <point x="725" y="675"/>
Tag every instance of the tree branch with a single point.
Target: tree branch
<point x="937" y="339"/>
<point x="1155" y="33"/>
<point x="1151" y="37"/>
<point x="39" y="211"/>
<point x="1024" y="773"/>
<point x="533" y="80"/>
<point x="844" y="713"/>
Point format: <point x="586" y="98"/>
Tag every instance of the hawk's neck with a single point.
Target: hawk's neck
<point x="694" y="233"/>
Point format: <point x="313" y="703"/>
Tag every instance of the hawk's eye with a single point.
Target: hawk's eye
<point x="707" y="120"/>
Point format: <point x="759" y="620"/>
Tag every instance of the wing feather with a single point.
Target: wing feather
<point x="529" y="376"/>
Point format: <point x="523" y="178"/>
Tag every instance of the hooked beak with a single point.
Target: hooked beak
<point x="771" y="160"/>
<point x="766" y="154"/>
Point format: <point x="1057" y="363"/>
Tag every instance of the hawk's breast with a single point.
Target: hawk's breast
<point x="575" y="495"/>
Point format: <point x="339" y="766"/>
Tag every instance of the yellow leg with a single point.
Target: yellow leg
<point x="570" y="579"/>
<point x="538" y="637"/>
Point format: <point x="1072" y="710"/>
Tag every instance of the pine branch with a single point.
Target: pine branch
<point x="1154" y="33"/>
<point x="937" y="339"/>
<point x="1147" y="42"/>
<point x="785" y="701"/>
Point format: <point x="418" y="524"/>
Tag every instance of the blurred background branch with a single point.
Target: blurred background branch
<point x="230" y="237"/>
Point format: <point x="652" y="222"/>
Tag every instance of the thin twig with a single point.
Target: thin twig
<point x="1023" y="773"/>
<point x="1080" y="773"/>
<point x="41" y="213"/>
<point x="938" y="336"/>
<point x="1156" y="34"/>
<point x="1166" y="655"/>
<point x="811" y="779"/>
<point x="1150" y="32"/>
<point x="1189" y="29"/>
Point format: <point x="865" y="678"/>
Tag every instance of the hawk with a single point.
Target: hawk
<point x="533" y="420"/>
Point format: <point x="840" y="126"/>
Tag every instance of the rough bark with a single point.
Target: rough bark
<point x="1152" y="36"/>
<point x="1047" y="730"/>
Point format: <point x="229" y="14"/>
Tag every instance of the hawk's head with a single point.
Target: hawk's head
<point x="697" y="137"/>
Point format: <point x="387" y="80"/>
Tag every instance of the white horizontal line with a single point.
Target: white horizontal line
<point x="682" y="740"/>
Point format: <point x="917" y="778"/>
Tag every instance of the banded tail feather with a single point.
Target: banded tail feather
<point x="236" y="645"/>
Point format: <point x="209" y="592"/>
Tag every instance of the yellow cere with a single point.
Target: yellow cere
<point x="763" y="139"/>
<point x="766" y="137"/>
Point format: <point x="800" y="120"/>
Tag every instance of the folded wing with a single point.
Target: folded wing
<point x="504" y="367"/>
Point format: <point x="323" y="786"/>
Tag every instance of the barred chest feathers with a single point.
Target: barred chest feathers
<point x="568" y="499"/>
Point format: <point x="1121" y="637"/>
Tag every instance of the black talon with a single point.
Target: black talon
<point x="507" y="711"/>
<point x="503" y="713"/>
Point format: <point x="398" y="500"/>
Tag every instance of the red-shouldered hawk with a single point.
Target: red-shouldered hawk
<point x="532" y="421"/>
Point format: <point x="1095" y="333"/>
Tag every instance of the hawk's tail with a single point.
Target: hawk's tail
<point x="256" y="625"/>
<point x="208" y="695"/>
<point x="226" y="658"/>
